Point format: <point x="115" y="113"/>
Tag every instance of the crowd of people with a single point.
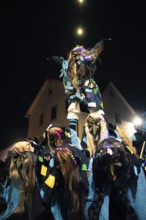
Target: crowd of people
<point x="100" y="176"/>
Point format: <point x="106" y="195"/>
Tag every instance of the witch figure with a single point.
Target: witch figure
<point x="119" y="183"/>
<point x="82" y="92"/>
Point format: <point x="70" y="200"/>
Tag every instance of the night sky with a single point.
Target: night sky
<point x="31" y="31"/>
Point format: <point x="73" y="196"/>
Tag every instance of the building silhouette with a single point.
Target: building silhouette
<point x="50" y="106"/>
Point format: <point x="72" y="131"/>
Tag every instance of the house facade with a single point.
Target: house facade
<point x="118" y="111"/>
<point x="50" y="106"/>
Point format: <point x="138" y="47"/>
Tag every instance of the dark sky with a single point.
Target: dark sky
<point x="31" y="31"/>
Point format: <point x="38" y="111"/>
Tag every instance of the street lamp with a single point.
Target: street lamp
<point x="79" y="31"/>
<point x="137" y="120"/>
<point x="80" y="1"/>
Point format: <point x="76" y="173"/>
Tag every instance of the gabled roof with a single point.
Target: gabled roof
<point x="122" y="98"/>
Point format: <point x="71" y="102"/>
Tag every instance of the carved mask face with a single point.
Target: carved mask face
<point x="94" y="127"/>
<point x="79" y="53"/>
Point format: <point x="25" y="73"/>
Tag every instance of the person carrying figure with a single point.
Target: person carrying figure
<point x="20" y="190"/>
<point x="67" y="178"/>
<point x="119" y="183"/>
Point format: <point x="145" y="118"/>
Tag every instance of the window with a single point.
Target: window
<point x="41" y="119"/>
<point x="50" y="92"/>
<point x="112" y="94"/>
<point x="117" y="118"/>
<point x="53" y="113"/>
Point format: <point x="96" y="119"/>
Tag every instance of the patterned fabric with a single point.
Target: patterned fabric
<point x="136" y="195"/>
<point x="93" y="96"/>
<point x="91" y="188"/>
<point x="56" y="212"/>
<point x="75" y="140"/>
<point x="11" y="194"/>
<point x="89" y="97"/>
<point x="104" y="211"/>
<point x="81" y="88"/>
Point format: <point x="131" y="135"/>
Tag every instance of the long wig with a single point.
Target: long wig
<point x="73" y="193"/>
<point x="22" y="171"/>
<point x="113" y="167"/>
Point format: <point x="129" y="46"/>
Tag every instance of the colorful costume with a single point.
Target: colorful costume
<point x="20" y="190"/>
<point x="66" y="181"/>
<point x="119" y="183"/>
<point x="82" y="92"/>
<point x="66" y="174"/>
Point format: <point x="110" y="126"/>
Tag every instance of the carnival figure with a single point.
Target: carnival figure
<point x="119" y="183"/>
<point x="65" y="181"/>
<point x="82" y="92"/>
<point x="20" y="190"/>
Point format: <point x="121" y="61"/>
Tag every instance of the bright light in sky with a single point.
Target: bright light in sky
<point x="81" y="1"/>
<point x="137" y="120"/>
<point x="79" y="31"/>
